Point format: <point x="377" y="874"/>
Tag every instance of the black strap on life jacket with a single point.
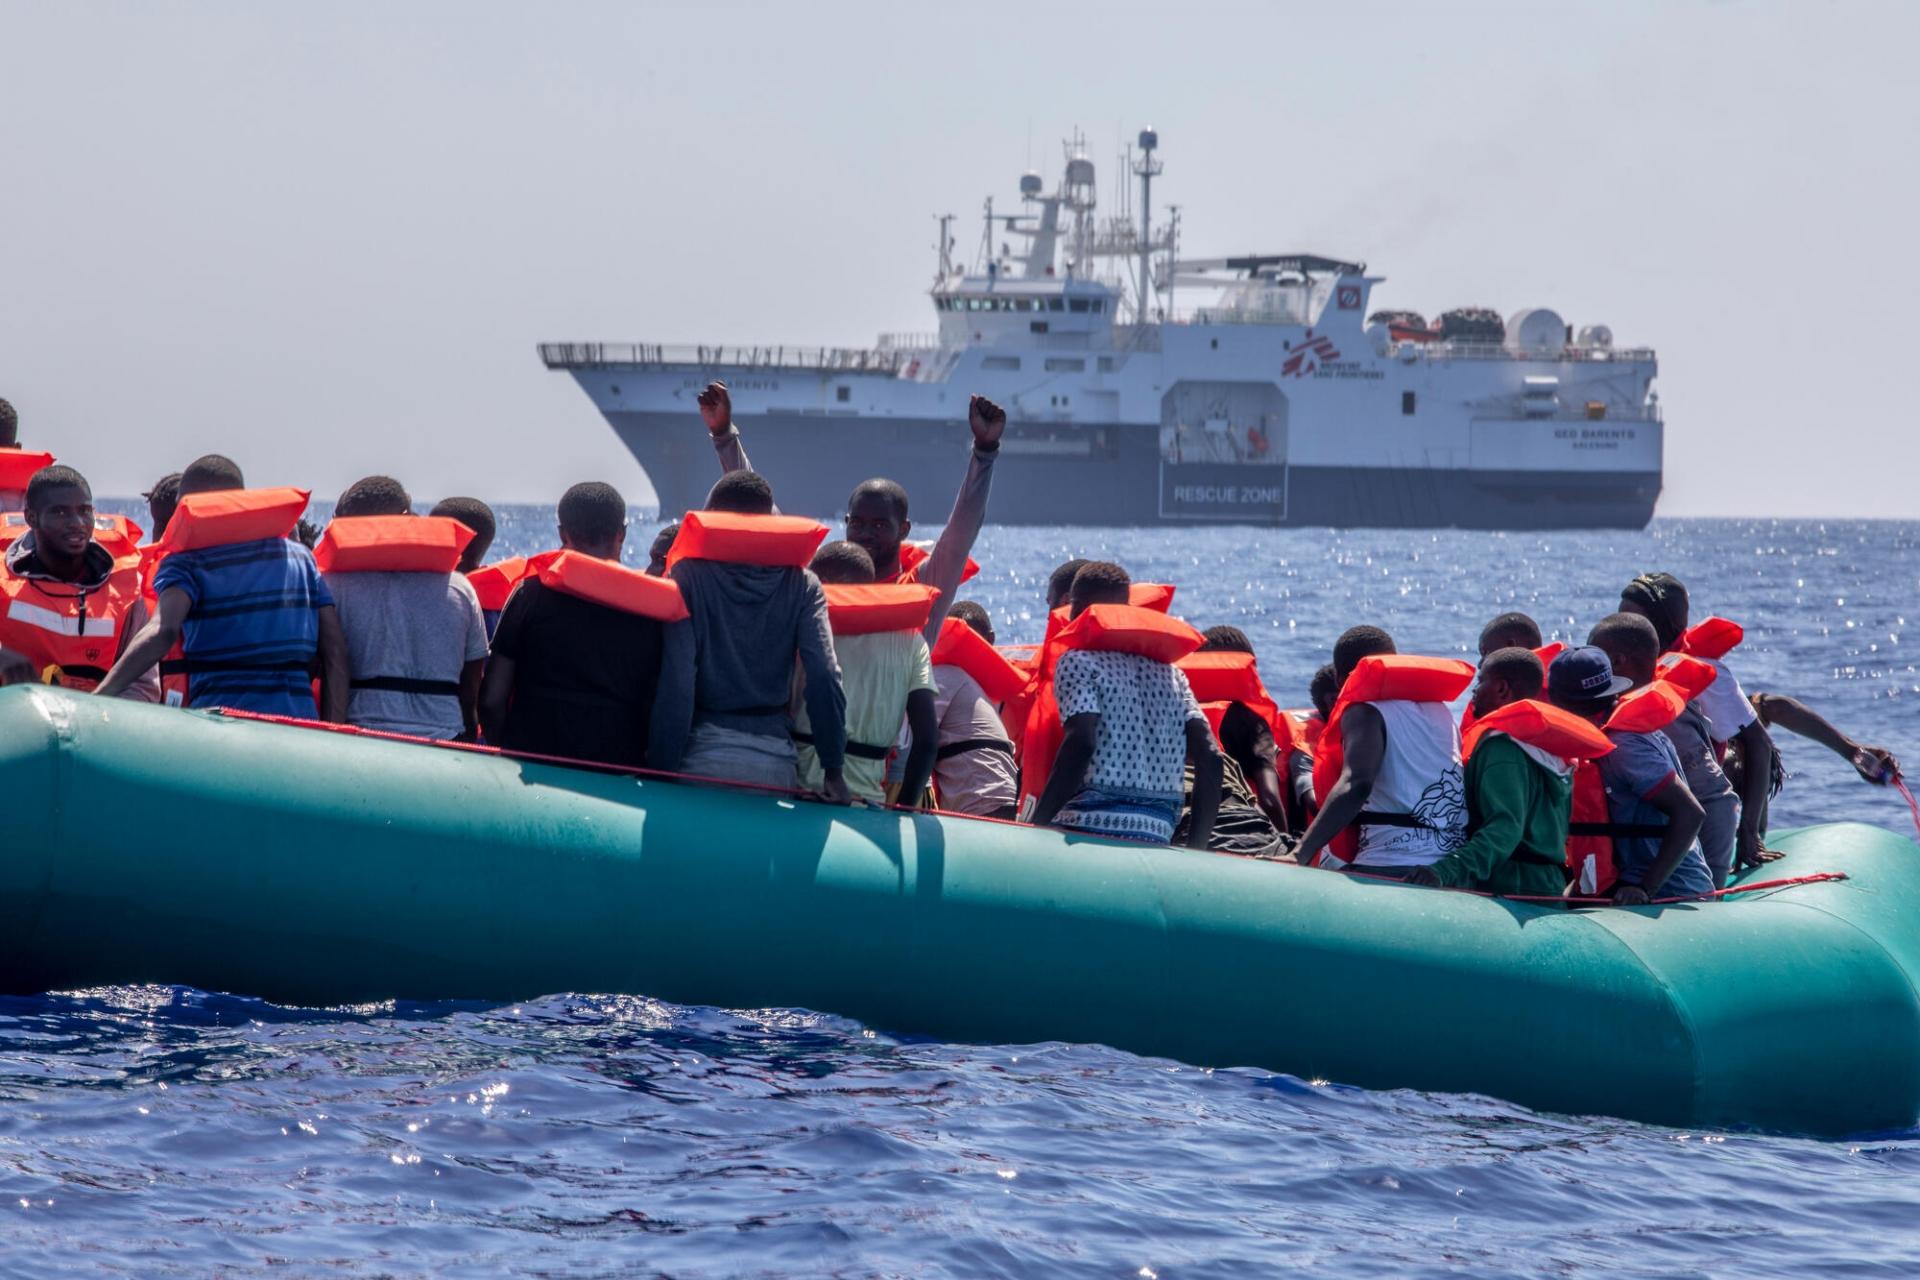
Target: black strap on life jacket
<point x="864" y="750"/>
<point x="953" y="749"/>
<point x="408" y="684"/>
<point x="1618" y="830"/>
<point x="199" y="667"/>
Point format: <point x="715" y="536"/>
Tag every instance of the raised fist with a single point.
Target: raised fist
<point x="716" y="408"/>
<point x="987" y="419"/>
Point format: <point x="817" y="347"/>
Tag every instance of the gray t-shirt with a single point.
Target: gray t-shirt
<point x="412" y="626"/>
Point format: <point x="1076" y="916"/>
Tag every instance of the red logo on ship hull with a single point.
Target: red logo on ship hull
<point x="1310" y="355"/>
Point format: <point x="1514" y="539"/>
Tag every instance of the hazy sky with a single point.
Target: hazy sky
<point x="325" y="239"/>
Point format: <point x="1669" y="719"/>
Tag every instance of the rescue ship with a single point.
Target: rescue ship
<point x="1146" y="388"/>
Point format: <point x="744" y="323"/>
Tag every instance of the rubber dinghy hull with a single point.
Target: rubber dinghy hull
<point x="150" y="845"/>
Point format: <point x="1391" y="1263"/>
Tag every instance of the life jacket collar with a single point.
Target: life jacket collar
<point x="873" y="608"/>
<point x="97" y="565"/>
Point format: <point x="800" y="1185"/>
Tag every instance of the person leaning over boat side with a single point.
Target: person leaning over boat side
<point x="876" y="518"/>
<point x="1729" y="839"/>
<point x="887" y="677"/>
<point x="416" y="643"/>
<point x="750" y="624"/>
<point x="1130" y="726"/>
<point x="1399" y="782"/>
<point x="66" y="604"/>
<point x="577" y="678"/>
<point x="251" y="618"/>
<point x="1643" y="776"/>
<point x="1519" y="797"/>
<point x="1875" y="765"/>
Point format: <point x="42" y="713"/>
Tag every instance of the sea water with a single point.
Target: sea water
<point x="164" y="1131"/>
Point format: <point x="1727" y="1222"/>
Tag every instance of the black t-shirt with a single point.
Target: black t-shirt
<point x="583" y="679"/>
<point x="1248" y="741"/>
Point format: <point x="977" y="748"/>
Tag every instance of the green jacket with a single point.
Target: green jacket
<point x="1513" y="803"/>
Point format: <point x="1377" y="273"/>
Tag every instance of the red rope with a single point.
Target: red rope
<point x="1900" y="785"/>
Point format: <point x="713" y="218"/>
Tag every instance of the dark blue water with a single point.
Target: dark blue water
<point x="151" y="1131"/>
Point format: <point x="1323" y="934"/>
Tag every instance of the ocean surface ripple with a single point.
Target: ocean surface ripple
<point x="159" y="1131"/>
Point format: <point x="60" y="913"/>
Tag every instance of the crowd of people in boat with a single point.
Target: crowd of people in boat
<point x="753" y="650"/>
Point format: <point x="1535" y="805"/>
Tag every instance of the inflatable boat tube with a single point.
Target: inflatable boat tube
<point x="146" y="844"/>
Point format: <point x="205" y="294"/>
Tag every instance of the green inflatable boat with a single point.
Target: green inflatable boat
<point x="150" y="845"/>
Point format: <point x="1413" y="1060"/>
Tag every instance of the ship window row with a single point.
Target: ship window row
<point x="1094" y="305"/>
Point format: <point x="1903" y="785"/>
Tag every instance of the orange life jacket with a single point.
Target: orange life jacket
<point x="1591" y="866"/>
<point x="230" y="516"/>
<point x="493" y="583"/>
<point x="1227" y="677"/>
<point x="959" y="645"/>
<point x="1546" y="653"/>
<point x="17" y="467"/>
<point x="913" y="558"/>
<point x="1693" y="676"/>
<point x="1714" y="638"/>
<point x="69" y="633"/>
<point x="787" y="541"/>
<point x="612" y="584"/>
<point x="119" y="535"/>
<point x="1380" y="678"/>
<point x="1107" y="628"/>
<point x="1312" y="725"/>
<point x="1543" y="725"/>
<point x="392" y="544"/>
<point x="1033" y="707"/>
<point x="860" y="609"/>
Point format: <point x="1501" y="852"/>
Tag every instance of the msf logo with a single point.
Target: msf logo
<point x="1309" y="356"/>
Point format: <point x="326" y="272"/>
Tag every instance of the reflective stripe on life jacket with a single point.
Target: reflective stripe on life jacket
<point x="612" y="584"/>
<point x="913" y="558"/>
<point x="392" y="544"/>
<point x="69" y="634"/>
<point x="17" y="467"/>
<point x="726" y="536"/>
<point x="870" y="608"/>
<point x="1386" y="677"/>
<point x="1714" y="638"/>
<point x="959" y="645"/>
<point x="117" y="534"/>
<point x="230" y="516"/>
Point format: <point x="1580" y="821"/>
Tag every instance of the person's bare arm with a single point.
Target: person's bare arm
<point x="923" y="729"/>
<point x="1875" y="764"/>
<point x="1363" y="734"/>
<point x="716" y="411"/>
<point x="1750" y="849"/>
<point x="336" y="670"/>
<point x="1684" y="816"/>
<point x="152" y="644"/>
<point x="1078" y="738"/>
<point x="496" y="694"/>
<point x="1207" y="774"/>
<point x="470" y="698"/>
<point x="947" y="562"/>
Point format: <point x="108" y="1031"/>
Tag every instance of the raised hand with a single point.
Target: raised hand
<point x="716" y="408"/>
<point x="1876" y="765"/>
<point x="987" y="419"/>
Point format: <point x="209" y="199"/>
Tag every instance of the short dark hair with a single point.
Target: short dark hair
<point x="1324" y="689"/>
<point x="9" y="425"/>
<point x="1520" y="667"/>
<point x="1628" y="635"/>
<point x="745" y="493"/>
<point x="662" y="544"/>
<point x="975" y="615"/>
<point x="471" y="512"/>
<point x="1356" y="643"/>
<point x="1663" y="598"/>
<point x="593" y="511"/>
<point x="162" y="501"/>
<point x="842" y="562"/>
<point x="374" y="496"/>
<point x="882" y="487"/>
<point x="54" y="477"/>
<point x="211" y="473"/>
<point x="1060" y="583"/>
<point x="1225" y="639"/>
<point x="1510" y="630"/>
<point x="1099" y="582"/>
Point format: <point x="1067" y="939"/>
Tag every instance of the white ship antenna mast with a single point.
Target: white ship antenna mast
<point x="1147" y="168"/>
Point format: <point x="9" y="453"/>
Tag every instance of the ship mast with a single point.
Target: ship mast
<point x="1147" y="168"/>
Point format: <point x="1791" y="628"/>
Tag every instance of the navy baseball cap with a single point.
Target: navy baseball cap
<point x="1584" y="678"/>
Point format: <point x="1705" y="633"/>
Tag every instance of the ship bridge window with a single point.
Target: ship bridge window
<point x="1056" y="304"/>
<point x="1001" y="364"/>
<point x="1076" y="304"/>
<point x="1099" y="305"/>
<point x="843" y="394"/>
<point x="1061" y="364"/>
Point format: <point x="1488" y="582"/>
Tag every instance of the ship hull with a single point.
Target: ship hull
<point x="1116" y="476"/>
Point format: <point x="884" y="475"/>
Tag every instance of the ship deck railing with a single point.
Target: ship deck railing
<point x="1499" y="351"/>
<point x="593" y="355"/>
